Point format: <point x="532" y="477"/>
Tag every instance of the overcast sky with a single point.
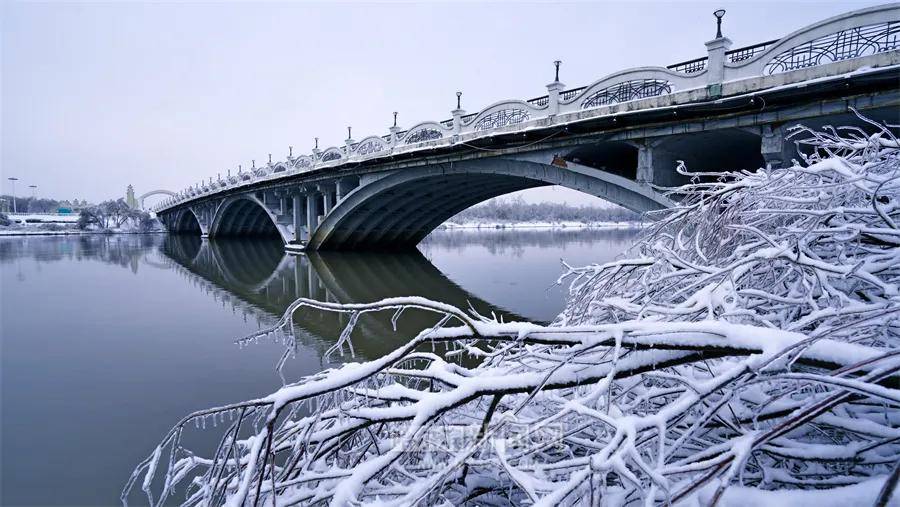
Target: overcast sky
<point x="159" y="95"/>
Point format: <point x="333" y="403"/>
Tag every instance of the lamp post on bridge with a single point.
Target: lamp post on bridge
<point x="458" y="114"/>
<point x="14" y="180"/>
<point x="553" y="91"/>
<point x="394" y="130"/>
<point x="719" y="14"/>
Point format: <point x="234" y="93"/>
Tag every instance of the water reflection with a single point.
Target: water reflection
<point x="257" y="277"/>
<point x="515" y="242"/>
<point x="127" y="251"/>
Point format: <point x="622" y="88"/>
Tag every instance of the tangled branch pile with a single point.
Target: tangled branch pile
<point x="747" y="353"/>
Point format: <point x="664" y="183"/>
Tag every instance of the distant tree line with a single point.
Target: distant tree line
<point x="114" y="215"/>
<point x="517" y="210"/>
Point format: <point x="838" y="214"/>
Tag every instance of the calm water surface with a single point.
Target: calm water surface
<point x="108" y="340"/>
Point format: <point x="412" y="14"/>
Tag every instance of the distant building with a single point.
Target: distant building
<point x="129" y="198"/>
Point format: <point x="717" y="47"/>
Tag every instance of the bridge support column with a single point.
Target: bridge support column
<point x="344" y="186"/>
<point x="775" y="149"/>
<point x="644" y="174"/>
<point x="311" y="214"/>
<point x="329" y="197"/>
<point x="297" y="203"/>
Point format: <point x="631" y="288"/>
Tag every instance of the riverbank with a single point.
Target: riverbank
<point x="66" y="232"/>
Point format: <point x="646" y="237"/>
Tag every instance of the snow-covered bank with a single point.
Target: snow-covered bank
<point x="43" y="218"/>
<point x="34" y="231"/>
<point x="541" y="225"/>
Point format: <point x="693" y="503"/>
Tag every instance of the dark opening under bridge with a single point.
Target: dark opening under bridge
<point x="619" y="139"/>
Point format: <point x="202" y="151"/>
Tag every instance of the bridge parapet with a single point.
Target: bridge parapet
<point x="863" y="38"/>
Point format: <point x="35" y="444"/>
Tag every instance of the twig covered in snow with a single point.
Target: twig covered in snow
<point x="751" y="342"/>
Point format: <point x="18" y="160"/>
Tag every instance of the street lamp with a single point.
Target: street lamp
<point x="719" y="14"/>
<point x="32" y="187"/>
<point x="13" y="180"/>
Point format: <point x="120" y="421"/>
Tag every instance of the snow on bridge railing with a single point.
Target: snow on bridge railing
<point x="855" y="34"/>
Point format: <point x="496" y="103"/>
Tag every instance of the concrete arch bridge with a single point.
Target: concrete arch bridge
<point x="618" y="138"/>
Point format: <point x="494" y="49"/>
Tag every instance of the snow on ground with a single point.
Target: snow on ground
<point x="40" y="232"/>
<point x="43" y="218"/>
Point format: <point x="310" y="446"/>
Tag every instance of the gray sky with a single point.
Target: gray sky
<point x="99" y="95"/>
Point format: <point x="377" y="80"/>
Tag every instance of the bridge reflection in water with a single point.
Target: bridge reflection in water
<point x="259" y="279"/>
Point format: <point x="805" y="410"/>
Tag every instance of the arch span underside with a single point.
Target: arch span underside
<point x="399" y="210"/>
<point x="186" y="223"/>
<point x="244" y="218"/>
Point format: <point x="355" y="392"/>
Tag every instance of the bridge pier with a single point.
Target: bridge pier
<point x="644" y="173"/>
<point x="297" y="212"/>
<point x="775" y="149"/>
<point x="297" y="218"/>
<point x="327" y="191"/>
<point x="312" y="214"/>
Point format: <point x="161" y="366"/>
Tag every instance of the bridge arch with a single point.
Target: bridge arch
<point x="152" y="193"/>
<point x="400" y="209"/>
<point x="245" y="215"/>
<point x="186" y="222"/>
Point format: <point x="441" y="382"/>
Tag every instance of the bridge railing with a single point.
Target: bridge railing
<point x="862" y="33"/>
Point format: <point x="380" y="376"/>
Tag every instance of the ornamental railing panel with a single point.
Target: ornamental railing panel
<point x="748" y="52"/>
<point x="539" y="101"/>
<point x="331" y="155"/>
<point x="424" y="134"/>
<point x="370" y="146"/>
<point x="690" y="66"/>
<point x="625" y="91"/>
<point x="843" y="45"/>
<point x="501" y="118"/>
<point x="570" y="94"/>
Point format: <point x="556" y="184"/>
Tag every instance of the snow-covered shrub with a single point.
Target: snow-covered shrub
<point x="747" y="352"/>
<point x="4" y="220"/>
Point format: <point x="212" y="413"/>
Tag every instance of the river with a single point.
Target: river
<point x="108" y="340"/>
